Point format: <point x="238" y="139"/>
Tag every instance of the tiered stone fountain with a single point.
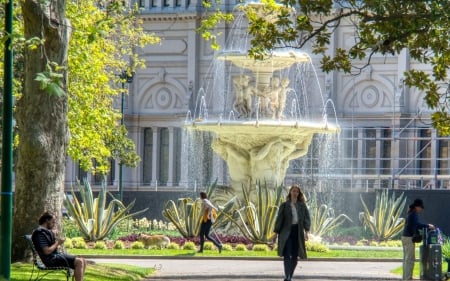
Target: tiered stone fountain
<point x="266" y="132"/>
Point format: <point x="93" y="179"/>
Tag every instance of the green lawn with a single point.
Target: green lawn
<point x="100" y="272"/>
<point x="381" y="254"/>
<point x="94" y="272"/>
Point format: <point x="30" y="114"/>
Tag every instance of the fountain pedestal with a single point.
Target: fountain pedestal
<point x="260" y="151"/>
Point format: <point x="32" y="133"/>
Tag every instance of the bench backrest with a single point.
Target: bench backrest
<point x="36" y="258"/>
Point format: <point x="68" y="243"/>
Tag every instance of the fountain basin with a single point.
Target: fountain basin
<point x="260" y="150"/>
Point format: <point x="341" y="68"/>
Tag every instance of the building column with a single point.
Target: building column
<point x="184" y="173"/>
<point x="134" y="175"/>
<point x="155" y="156"/>
<point x="171" y="157"/>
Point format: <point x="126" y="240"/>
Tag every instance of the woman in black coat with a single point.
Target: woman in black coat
<point x="292" y="226"/>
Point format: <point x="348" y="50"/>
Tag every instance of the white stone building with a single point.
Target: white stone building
<point x="386" y="139"/>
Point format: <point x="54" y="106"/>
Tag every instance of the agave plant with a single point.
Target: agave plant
<point x="323" y="218"/>
<point x="256" y="220"/>
<point x="93" y="217"/>
<point x="386" y="221"/>
<point x="186" y="214"/>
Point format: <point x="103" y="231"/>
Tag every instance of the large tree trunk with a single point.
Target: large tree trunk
<point x="42" y="123"/>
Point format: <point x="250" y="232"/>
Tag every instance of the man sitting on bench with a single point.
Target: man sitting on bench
<point x="47" y="247"/>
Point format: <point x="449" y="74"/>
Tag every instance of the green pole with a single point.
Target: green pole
<point x="6" y="191"/>
<point x="121" y="123"/>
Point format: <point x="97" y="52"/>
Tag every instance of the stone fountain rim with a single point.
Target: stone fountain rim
<point x="308" y="125"/>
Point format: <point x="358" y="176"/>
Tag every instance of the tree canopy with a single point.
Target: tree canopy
<point x="103" y="39"/>
<point x="383" y="27"/>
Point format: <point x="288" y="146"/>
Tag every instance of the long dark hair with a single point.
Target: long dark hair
<point x="300" y="197"/>
<point x="203" y="195"/>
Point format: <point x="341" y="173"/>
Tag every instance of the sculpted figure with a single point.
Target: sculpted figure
<point x="270" y="162"/>
<point x="273" y="95"/>
<point x="243" y="95"/>
<point x="282" y="97"/>
<point x="237" y="160"/>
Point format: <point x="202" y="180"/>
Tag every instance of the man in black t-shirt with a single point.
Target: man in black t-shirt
<point x="47" y="247"/>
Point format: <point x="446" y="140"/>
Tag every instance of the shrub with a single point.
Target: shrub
<point x="70" y="228"/>
<point x="241" y="247"/>
<point x="316" y="247"/>
<point x="260" y="248"/>
<point x="137" y="245"/>
<point x="100" y="245"/>
<point x="362" y="242"/>
<point x="227" y="247"/>
<point x="173" y="246"/>
<point x="373" y="243"/>
<point x="189" y="246"/>
<point x="208" y="246"/>
<point x="118" y="244"/>
<point x="79" y="243"/>
<point x="68" y="243"/>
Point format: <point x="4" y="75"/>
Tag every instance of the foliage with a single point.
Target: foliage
<point x="173" y="246"/>
<point x="316" y="247"/>
<point x="227" y="247"/>
<point x="100" y="245"/>
<point x="96" y="57"/>
<point x="189" y="246"/>
<point x="93" y="218"/>
<point x="446" y="248"/>
<point x="118" y="244"/>
<point x="137" y="245"/>
<point x="380" y="28"/>
<point x="323" y="218"/>
<point x="256" y="221"/>
<point x="260" y="248"/>
<point x="241" y="248"/>
<point x="94" y="271"/>
<point x="208" y="246"/>
<point x="385" y="222"/>
<point x="186" y="214"/>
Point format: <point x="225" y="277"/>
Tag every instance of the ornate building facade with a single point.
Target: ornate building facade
<point x="386" y="140"/>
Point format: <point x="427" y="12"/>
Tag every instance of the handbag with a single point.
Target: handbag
<point x="417" y="237"/>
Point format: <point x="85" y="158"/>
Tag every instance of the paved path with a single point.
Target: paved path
<point x="265" y="270"/>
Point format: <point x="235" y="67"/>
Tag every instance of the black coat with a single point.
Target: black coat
<point x="283" y="225"/>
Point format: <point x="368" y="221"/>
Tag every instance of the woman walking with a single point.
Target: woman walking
<point x="292" y="226"/>
<point x="207" y="220"/>
<point x="412" y="225"/>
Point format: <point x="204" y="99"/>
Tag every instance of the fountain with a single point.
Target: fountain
<point x="268" y="101"/>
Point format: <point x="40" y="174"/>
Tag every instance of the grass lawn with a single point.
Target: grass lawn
<point x="381" y="254"/>
<point x="94" y="272"/>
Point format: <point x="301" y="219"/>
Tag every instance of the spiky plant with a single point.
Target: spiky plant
<point x="386" y="221"/>
<point x="186" y="214"/>
<point x="93" y="217"/>
<point x="323" y="218"/>
<point x="256" y="220"/>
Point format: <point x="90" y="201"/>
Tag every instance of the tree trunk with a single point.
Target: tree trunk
<point x="42" y="123"/>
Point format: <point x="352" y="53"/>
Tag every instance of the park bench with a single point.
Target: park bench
<point x="41" y="267"/>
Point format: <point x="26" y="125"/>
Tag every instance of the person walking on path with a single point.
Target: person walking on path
<point x="292" y="226"/>
<point x="208" y="218"/>
<point x="412" y="225"/>
<point x="47" y="245"/>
